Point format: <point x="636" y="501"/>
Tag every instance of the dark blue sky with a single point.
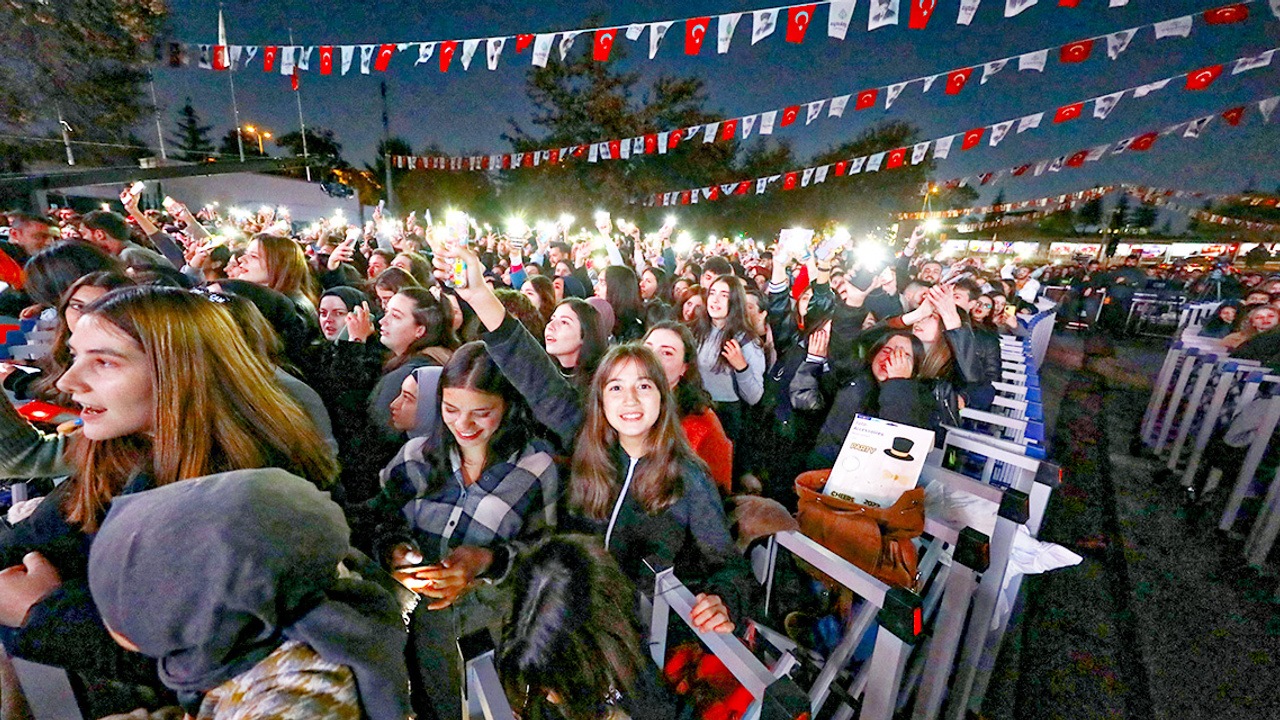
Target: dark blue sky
<point x="467" y="112"/>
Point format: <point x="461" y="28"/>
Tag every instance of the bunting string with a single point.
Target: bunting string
<point x="1138" y="190"/>
<point x="766" y="123"/>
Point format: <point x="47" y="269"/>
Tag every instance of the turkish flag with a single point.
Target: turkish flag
<point x="604" y="44"/>
<point x="1234" y="115"/>
<point x="972" y="138"/>
<point x="293" y="79"/>
<point x="798" y="19"/>
<point x="1076" y="51"/>
<point x="673" y="140"/>
<point x="221" y="60"/>
<point x="326" y="59"/>
<point x="896" y="158"/>
<point x="554" y="157"/>
<point x="506" y="162"/>
<point x="1203" y="78"/>
<point x="579" y="151"/>
<point x="615" y="149"/>
<point x="1078" y="159"/>
<point x="1068" y="3"/>
<point x="742" y="188"/>
<point x="728" y="129"/>
<point x="384" y="57"/>
<point x="1144" y="142"/>
<point x="447" y="48"/>
<point x="1021" y="170"/>
<point x="528" y="159"/>
<point x="1068" y="112"/>
<point x="684" y="198"/>
<point x="921" y="11"/>
<point x="269" y="57"/>
<point x="790" y="180"/>
<point x="956" y="80"/>
<point x="789" y="115"/>
<point x="1227" y="14"/>
<point x="715" y="193"/>
<point x="840" y="168"/>
<point x="866" y="99"/>
<point x="650" y="144"/>
<point x="522" y="42"/>
<point x="695" y="30"/>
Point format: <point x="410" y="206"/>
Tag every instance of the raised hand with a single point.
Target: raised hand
<point x="732" y="353"/>
<point x="360" y="323"/>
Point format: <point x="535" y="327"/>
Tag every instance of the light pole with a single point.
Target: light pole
<point x="260" y="134"/>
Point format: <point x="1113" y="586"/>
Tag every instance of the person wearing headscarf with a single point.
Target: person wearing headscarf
<point x="335" y="304"/>
<point x="254" y="618"/>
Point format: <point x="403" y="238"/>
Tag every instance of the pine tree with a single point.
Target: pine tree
<point x="192" y="141"/>
<point x="1146" y="215"/>
<point x="995" y="215"/>
<point x="1091" y="212"/>
<point x="1120" y="215"/>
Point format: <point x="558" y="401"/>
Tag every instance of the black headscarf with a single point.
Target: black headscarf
<point x="259" y="566"/>
<point x="351" y="297"/>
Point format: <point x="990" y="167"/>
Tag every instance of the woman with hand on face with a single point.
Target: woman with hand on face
<point x="635" y="479"/>
<point x="169" y="391"/>
<point x="730" y="356"/>
<point x="280" y="264"/>
<point x="462" y="486"/>
<point x="335" y="304"/>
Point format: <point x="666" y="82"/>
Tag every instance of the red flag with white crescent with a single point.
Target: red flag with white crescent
<point x="384" y="57"/>
<point x="840" y="168"/>
<point x="1227" y="14"/>
<point x="447" y="49"/>
<point x="326" y="59"/>
<point x="615" y="149"/>
<point x="896" y="158"/>
<point x="789" y="182"/>
<point x="269" y="57"/>
<point x="1234" y="115"/>
<point x="604" y="44"/>
<point x="728" y="129"/>
<point x="956" y="80"/>
<point x="798" y="19"/>
<point x="1203" y="78"/>
<point x="1068" y="3"/>
<point x="221" y="58"/>
<point x="789" y="115"/>
<point x="1144" y="142"/>
<point x="972" y="138"/>
<point x="742" y="187"/>
<point x="866" y="99"/>
<point x="695" y="30"/>
<point x="673" y="140"/>
<point x="1078" y="159"/>
<point x="650" y="144"/>
<point x="523" y="41"/>
<point x="1068" y="112"/>
<point x="921" y="12"/>
<point x="1076" y="51"/>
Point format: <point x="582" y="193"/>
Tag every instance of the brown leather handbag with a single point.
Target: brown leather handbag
<point x="877" y="540"/>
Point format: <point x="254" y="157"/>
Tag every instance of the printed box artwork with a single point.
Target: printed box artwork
<point x="878" y="462"/>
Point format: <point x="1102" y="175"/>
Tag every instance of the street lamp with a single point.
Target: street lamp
<point x="260" y="134"/>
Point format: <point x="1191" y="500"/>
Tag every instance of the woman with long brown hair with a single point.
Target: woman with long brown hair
<point x="730" y="356"/>
<point x="169" y="391"/>
<point x="280" y="264"/>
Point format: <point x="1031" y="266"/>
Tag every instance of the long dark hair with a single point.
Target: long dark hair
<point x="622" y="290"/>
<point x="471" y="368"/>
<point x="546" y="291"/>
<point x="691" y="397"/>
<point x="659" y="483"/>
<point x="736" y="325"/>
<point x="917" y="348"/>
<point x="432" y="315"/>
<point x="59" y="357"/>
<point x="594" y="338"/>
<point x="663" y="292"/>
<point x="52" y="270"/>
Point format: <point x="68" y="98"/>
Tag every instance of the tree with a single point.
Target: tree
<point x="230" y="149"/>
<point x="1120" y="215"/>
<point x="192" y="140"/>
<point x="323" y="148"/>
<point x="81" y="60"/>
<point x="995" y="215"/>
<point x="1091" y="212"/>
<point x="1145" y="215"/>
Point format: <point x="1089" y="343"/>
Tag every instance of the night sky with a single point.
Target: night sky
<point x="467" y="112"/>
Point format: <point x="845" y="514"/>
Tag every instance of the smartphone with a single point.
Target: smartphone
<point x="826" y="249"/>
<point x="458" y="276"/>
<point x="1010" y="311"/>
<point x="170" y="205"/>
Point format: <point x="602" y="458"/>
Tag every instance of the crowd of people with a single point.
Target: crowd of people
<point x="308" y="459"/>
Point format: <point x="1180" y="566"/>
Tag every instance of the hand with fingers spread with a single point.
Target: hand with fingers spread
<point x="732" y="353"/>
<point x="711" y="615"/>
<point x="360" y="323"/>
<point x="942" y="297"/>
<point x="820" y="340"/>
<point x="898" y="365"/>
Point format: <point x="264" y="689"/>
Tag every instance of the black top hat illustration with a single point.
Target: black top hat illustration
<point x="901" y="449"/>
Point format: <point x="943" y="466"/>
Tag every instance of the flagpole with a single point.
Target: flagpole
<point x="297" y="95"/>
<point x="156" y="105"/>
<point x="231" y="80"/>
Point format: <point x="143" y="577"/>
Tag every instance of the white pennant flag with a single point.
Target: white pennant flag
<point x="468" y="52"/>
<point x="1056" y="165"/>
<point x="1173" y="129"/>
<point x="942" y="148"/>
<point x="728" y="188"/>
<point x="724" y="31"/>
<point x="494" y="51"/>
<point x="624" y="150"/>
<point x="425" y="51"/>
<point x="1014" y="7"/>
<point x="1145" y="90"/>
<point x="992" y="68"/>
<point x="657" y="31"/>
<point x="1252" y="63"/>
<point x="637" y="145"/>
<point x="1119" y="42"/>
<point x="1118" y="3"/>
<point x="593" y="154"/>
<point x="837" y="106"/>
<point x="1195" y="127"/>
<point x="766" y="122"/>
<point x="748" y="124"/>
<point x="566" y="43"/>
<point x="875" y="161"/>
<point x="634" y="31"/>
<point x="1275" y="8"/>
<point x="999" y="130"/>
<point x="710" y="135"/>
<point x="1030" y="122"/>
<point x="304" y="58"/>
<point x="1097" y="153"/>
<point x="967" y="10"/>
<point x="1268" y="106"/>
<point x="920" y="152"/>
<point x="542" y="49"/>
<point x="895" y="91"/>
<point x="663" y="137"/>
<point x="205" y="62"/>
<point x="820" y="175"/>
<point x="761" y="184"/>
<point x="366" y="57"/>
<point x="1033" y="61"/>
<point x="286" y="59"/>
<point x="1040" y="167"/>
<point x="235" y="51"/>
<point x="856" y="165"/>
<point x="841" y="13"/>
<point x="815" y="109"/>
<point x="1103" y="106"/>
<point x="1123" y="145"/>
<point x="348" y="52"/>
<point x="1178" y="27"/>
<point x="928" y="83"/>
<point x="806" y="177"/>
<point x="763" y="23"/>
<point x="883" y="12"/>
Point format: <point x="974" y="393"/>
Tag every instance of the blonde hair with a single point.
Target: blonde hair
<point x="217" y="405"/>
<point x="594" y="485"/>
<point x="287" y="270"/>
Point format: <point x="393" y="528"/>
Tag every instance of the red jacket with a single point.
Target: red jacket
<point x="707" y="437"/>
